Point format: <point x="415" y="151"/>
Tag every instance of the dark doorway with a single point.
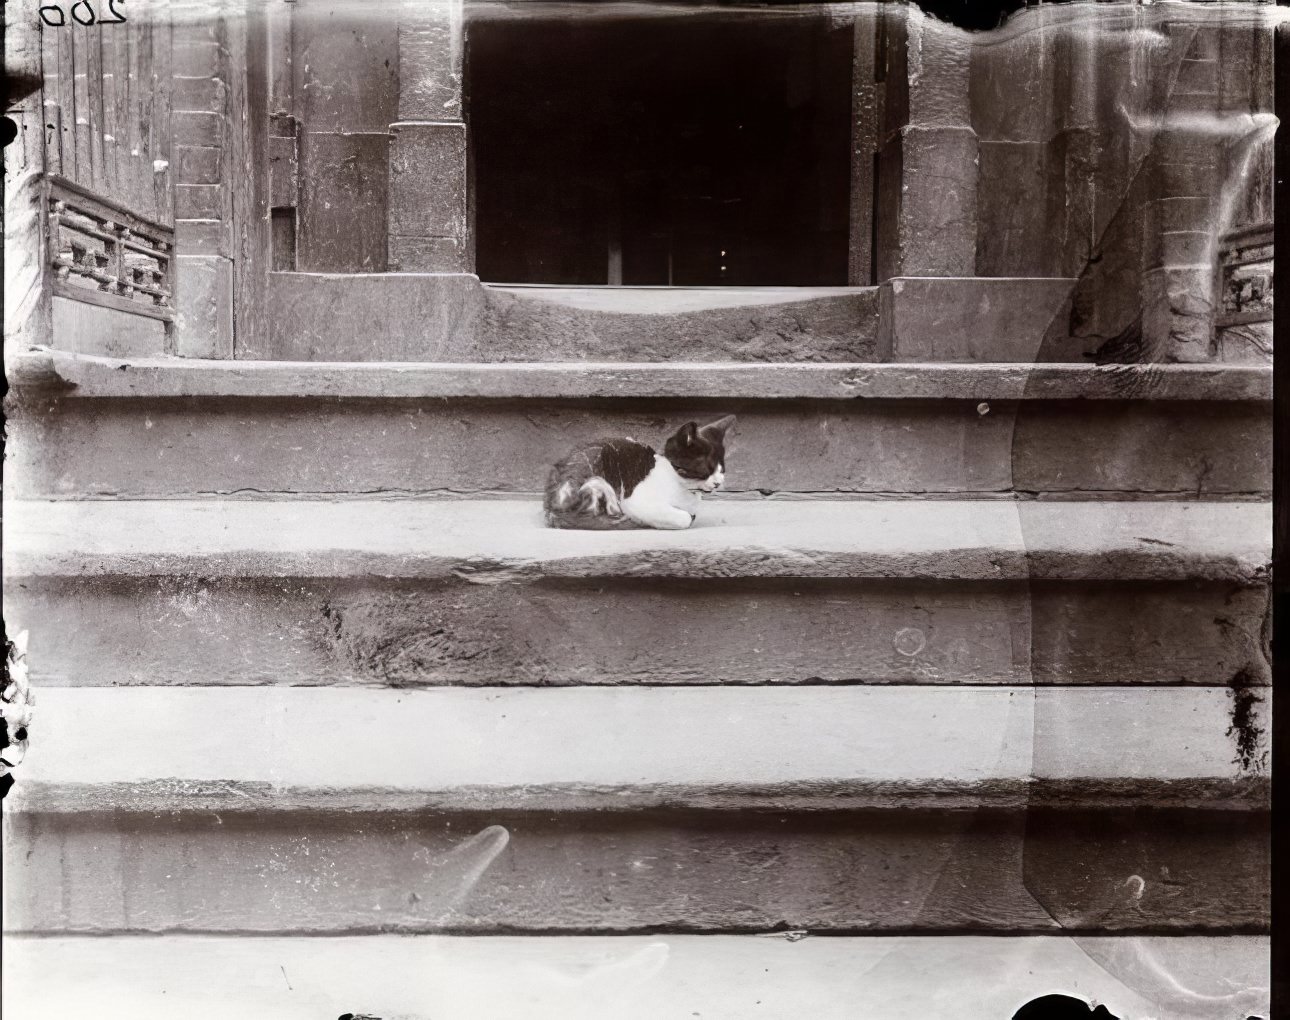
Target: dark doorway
<point x="660" y="148"/>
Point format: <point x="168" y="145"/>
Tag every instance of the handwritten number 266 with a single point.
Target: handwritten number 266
<point x="82" y="13"/>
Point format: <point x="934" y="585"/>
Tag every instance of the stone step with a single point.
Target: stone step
<point x="592" y="978"/>
<point x="416" y="593"/>
<point x="439" y="318"/>
<point x="908" y="977"/>
<point x="180" y="428"/>
<point x="434" y="318"/>
<point x="849" y="809"/>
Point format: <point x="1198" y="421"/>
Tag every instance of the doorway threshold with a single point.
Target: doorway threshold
<point x="663" y="299"/>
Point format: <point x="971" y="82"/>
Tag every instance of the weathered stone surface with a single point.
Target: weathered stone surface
<point x="446" y="317"/>
<point x="427" y="189"/>
<point x="346" y="62"/>
<point x="308" y="430"/>
<point x="504" y="540"/>
<point x="928" y="68"/>
<point x="161" y="377"/>
<point x="372" y="317"/>
<point x="284" y="173"/>
<point x="315" y="632"/>
<point x="927" y="166"/>
<point x="1100" y="123"/>
<point x="197" y="165"/>
<point x="1249" y="344"/>
<point x="644" y="324"/>
<point x="842" y="746"/>
<point x="204" y="306"/>
<point x="431" y="254"/>
<point x="431" y="48"/>
<point x="198" y="127"/>
<point x="199" y="201"/>
<point x="974" y="319"/>
<point x="203" y="92"/>
<point x="1015" y="85"/>
<point x="201" y="237"/>
<point x="410" y="448"/>
<point x="1178" y="312"/>
<point x="721" y="977"/>
<point x="81" y="327"/>
<point x="343" y="202"/>
<point x="622" y="871"/>
<point x="927" y="213"/>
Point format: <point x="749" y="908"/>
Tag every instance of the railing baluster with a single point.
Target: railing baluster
<point x="103" y="254"/>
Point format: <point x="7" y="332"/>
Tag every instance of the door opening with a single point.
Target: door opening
<point x="660" y="148"/>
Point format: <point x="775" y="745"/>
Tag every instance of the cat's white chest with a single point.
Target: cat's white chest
<point x="662" y="499"/>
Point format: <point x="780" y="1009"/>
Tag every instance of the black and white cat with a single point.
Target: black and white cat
<point x="620" y="483"/>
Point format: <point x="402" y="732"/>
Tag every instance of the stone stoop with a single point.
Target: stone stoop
<point x="276" y="700"/>
<point x="932" y="799"/>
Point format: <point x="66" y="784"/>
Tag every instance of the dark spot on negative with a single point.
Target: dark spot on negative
<point x="1246" y="698"/>
<point x="1061" y="1007"/>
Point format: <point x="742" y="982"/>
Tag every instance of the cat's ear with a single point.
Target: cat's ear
<point x="687" y="433"/>
<point x="719" y="428"/>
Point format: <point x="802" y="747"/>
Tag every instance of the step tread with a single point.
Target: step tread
<point x="492" y="541"/>
<point x="718" y="977"/>
<point x="721" y="977"/>
<point x="156" y="378"/>
<point x="663" y="300"/>
<point x="202" y="748"/>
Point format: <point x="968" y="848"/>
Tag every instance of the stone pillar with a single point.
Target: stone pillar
<point x="26" y="296"/>
<point x="1180" y="242"/>
<point x="927" y="162"/>
<point x="1073" y="154"/>
<point x="203" y="206"/>
<point x="428" y="198"/>
<point x="866" y="114"/>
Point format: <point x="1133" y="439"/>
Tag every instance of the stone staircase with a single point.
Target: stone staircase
<point x="965" y="671"/>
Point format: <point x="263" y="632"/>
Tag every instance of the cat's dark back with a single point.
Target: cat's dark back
<point x="622" y="463"/>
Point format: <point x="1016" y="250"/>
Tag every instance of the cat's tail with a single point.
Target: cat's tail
<point x="581" y="520"/>
<point x="591" y="506"/>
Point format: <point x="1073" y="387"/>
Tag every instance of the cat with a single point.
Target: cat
<point x="620" y="483"/>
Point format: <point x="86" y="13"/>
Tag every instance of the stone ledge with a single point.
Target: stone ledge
<point x="497" y="541"/>
<point x="1251" y="793"/>
<point x="157" y="378"/>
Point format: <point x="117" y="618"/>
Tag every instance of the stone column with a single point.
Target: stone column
<point x="1181" y="228"/>
<point x="428" y="199"/>
<point x="927" y="163"/>
<point x="866" y="114"/>
<point x="203" y="204"/>
<point x="1073" y="198"/>
<point x="26" y="296"/>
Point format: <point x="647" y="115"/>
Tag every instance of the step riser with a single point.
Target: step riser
<point x="200" y="630"/>
<point x="198" y="447"/>
<point x="877" y="872"/>
<point x="906" y="977"/>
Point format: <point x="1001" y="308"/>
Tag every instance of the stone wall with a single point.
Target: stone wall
<point x="1130" y="140"/>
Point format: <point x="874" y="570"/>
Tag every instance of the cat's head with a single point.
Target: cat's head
<point x="699" y="453"/>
